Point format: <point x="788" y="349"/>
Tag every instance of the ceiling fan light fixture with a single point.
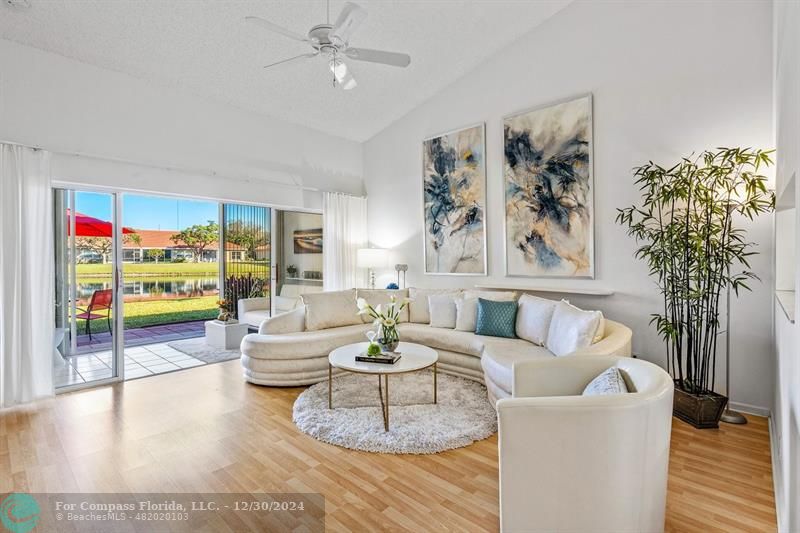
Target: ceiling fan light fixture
<point x="349" y="84"/>
<point x="339" y="69"/>
<point x="341" y="74"/>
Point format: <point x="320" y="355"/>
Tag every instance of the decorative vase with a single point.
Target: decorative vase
<point x="388" y="338"/>
<point x="224" y="316"/>
<point x="703" y="411"/>
<point x="388" y="346"/>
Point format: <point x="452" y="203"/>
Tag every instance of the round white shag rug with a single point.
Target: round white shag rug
<point x="416" y="425"/>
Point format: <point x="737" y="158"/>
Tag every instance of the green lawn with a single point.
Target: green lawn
<point x="152" y="269"/>
<point x="159" y="269"/>
<point x="157" y="312"/>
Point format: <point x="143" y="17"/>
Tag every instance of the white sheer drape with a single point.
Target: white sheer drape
<point x="344" y="220"/>
<point x="26" y="275"/>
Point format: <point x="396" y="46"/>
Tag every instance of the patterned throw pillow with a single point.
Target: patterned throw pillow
<point x="609" y="382"/>
<point x="496" y="319"/>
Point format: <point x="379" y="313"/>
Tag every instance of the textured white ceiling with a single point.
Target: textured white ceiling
<point x="205" y="47"/>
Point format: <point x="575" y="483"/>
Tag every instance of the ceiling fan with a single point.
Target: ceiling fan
<point x="332" y="42"/>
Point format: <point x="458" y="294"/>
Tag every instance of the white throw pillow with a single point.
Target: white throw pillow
<point x="609" y="382"/>
<point x="442" y="308"/>
<point x="534" y="315"/>
<point x="466" y="314"/>
<point x="331" y="309"/>
<point x="418" y="310"/>
<point x="571" y="328"/>
<point x="601" y="330"/>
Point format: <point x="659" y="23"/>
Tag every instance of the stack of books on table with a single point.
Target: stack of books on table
<point x="385" y="358"/>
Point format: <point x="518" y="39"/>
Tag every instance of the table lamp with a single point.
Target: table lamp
<point x="372" y="258"/>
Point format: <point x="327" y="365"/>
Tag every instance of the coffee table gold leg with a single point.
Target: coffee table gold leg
<point x="435" y="399"/>
<point x="384" y="405"/>
<point x="386" y="418"/>
<point x="330" y="386"/>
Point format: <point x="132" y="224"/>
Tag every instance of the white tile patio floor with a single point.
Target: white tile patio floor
<point x="140" y="361"/>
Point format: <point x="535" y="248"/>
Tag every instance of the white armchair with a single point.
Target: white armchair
<point x="253" y="311"/>
<point x="584" y="463"/>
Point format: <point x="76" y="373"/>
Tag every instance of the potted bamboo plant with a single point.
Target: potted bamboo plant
<point x="686" y="232"/>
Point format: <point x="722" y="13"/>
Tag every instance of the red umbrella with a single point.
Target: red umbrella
<point x="86" y="226"/>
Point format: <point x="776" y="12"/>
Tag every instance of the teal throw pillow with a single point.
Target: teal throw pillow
<point x="496" y="319"/>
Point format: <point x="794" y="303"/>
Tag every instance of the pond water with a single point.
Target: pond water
<point x="152" y="288"/>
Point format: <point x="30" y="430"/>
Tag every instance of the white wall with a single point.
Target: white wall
<point x="785" y="424"/>
<point x="67" y="106"/>
<point x="668" y="78"/>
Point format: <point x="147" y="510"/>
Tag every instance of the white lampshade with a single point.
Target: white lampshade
<point x="372" y="257"/>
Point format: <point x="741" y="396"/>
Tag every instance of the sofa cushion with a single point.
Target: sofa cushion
<point x="495" y="296"/>
<point x="466" y="314"/>
<point x="381" y="297"/>
<point x="304" y="344"/>
<point x="331" y="309"/>
<point x="254" y="318"/>
<point x="443" y="339"/>
<point x="442" y="308"/>
<point x="418" y="310"/>
<point x="284" y="304"/>
<point x="533" y="318"/>
<point x="499" y="356"/>
<point x="497" y="319"/>
<point x="571" y="328"/>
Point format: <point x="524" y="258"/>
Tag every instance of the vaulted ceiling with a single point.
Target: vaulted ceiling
<point x="206" y="48"/>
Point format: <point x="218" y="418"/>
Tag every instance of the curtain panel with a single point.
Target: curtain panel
<point x="344" y="220"/>
<point x="26" y="276"/>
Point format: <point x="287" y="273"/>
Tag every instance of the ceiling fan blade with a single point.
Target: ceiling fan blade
<point x="379" y="56"/>
<point x="276" y="29"/>
<point x="301" y="56"/>
<point x="349" y="20"/>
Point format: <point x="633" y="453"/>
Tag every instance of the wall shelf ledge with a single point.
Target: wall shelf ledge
<point x="586" y="291"/>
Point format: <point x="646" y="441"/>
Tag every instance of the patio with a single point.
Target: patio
<point x="141" y="336"/>
<point x="146" y="353"/>
<point x="140" y="361"/>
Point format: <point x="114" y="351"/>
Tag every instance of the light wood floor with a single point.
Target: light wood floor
<point x="205" y="430"/>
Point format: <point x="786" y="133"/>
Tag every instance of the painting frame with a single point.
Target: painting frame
<point x="484" y="240"/>
<point x="304" y="241"/>
<point x="591" y="253"/>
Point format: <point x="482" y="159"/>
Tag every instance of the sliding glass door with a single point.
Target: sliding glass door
<point x="247" y="258"/>
<point x="88" y="310"/>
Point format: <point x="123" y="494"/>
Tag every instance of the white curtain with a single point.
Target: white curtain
<point x="344" y="221"/>
<point x="26" y="276"/>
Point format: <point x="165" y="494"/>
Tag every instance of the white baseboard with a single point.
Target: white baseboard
<point x="777" y="474"/>
<point x="750" y="409"/>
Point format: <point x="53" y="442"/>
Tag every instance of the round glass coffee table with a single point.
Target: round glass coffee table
<point x="413" y="357"/>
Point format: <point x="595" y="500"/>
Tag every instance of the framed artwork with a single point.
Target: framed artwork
<point x="307" y="241"/>
<point x="549" y="189"/>
<point x="454" y="198"/>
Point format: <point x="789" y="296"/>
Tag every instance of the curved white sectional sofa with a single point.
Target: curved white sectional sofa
<point x="292" y="349"/>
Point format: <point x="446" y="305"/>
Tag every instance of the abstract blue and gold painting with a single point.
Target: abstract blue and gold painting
<point x="454" y="190"/>
<point x="549" y="186"/>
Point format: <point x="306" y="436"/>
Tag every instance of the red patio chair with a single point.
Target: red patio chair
<point x="101" y="301"/>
